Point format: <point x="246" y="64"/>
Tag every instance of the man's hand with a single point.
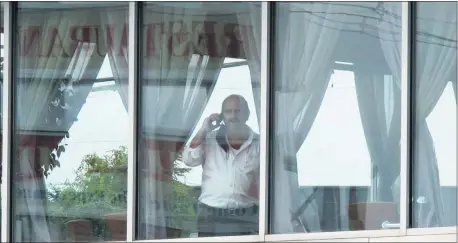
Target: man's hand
<point x="211" y="122"/>
<point x="207" y="126"/>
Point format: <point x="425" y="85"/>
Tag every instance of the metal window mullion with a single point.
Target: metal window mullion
<point x="133" y="116"/>
<point x="406" y="115"/>
<point x="8" y="20"/>
<point x="264" y="120"/>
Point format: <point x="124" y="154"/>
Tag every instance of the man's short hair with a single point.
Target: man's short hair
<point x="243" y="105"/>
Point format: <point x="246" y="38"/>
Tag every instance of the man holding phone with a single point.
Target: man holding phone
<point x="229" y="155"/>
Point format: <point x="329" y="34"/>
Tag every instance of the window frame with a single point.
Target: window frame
<point x="7" y="128"/>
<point x="266" y="115"/>
<point x="407" y="187"/>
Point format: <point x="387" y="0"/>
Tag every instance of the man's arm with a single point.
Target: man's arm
<point x="199" y="138"/>
<point x="194" y="154"/>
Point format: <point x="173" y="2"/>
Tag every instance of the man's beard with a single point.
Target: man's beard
<point x="235" y="127"/>
<point x="233" y="124"/>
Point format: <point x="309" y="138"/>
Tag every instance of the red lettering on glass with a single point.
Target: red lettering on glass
<point x="86" y="33"/>
<point x="150" y="47"/>
<point x="55" y="50"/>
<point x="98" y="41"/>
<point x="178" y="39"/>
<point x="30" y="42"/>
<point x="109" y="38"/>
<point x="124" y="40"/>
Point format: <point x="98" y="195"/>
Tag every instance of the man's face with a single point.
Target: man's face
<point x="232" y="113"/>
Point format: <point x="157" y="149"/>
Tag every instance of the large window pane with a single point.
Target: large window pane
<point x="337" y="124"/>
<point x="70" y="119"/>
<point x="196" y="180"/>
<point x="2" y="55"/>
<point x="434" y="166"/>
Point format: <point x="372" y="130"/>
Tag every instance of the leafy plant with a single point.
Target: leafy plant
<point x="58" y="106"/>
<point x="100" y="188"/>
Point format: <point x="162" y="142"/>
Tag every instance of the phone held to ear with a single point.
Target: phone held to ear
<point x="217" y="123"/>
<point x="220" y="120"/>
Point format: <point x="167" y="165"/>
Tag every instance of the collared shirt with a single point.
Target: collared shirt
<point x="229" y="180"/>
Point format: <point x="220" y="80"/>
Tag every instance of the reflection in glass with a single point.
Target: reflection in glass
<point x="434" y="179"/>
<point x="69" y="170"/>
<point x="2" y="44"/>
<point x="336" y="148"/>
<point x="194" y="56"/>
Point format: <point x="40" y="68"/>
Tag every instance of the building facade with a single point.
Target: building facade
<point x="99" y="100"/>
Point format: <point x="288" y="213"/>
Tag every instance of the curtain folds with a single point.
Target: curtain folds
<point x="56" y="73"/>
<point x="306" y="64"/>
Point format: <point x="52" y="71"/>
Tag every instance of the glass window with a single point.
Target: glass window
<point x="434" y="166"/>
<point x="336" y="158"/>
<point x="198" y="168"/>
<point x="70" y="122"/>
<point x="2" y="55"/>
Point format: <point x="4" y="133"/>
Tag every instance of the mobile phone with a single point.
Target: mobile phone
<point x="217" y="123"/>
<point x="220" y="120"/>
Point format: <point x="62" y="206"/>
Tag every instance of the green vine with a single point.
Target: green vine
<point x="58" y="106"/>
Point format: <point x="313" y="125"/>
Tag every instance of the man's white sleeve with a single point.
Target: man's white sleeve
<point x="194" y="156"/>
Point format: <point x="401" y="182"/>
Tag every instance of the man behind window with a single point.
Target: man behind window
<point x="228" y="204"/>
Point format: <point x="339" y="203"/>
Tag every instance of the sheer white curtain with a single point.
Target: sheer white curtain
<point x="379" y="106"/>
<point x="179" y="70"/>
<point x="178" y="76"/>
<point x="454" y="86"/>
<point x="115" y="34"/>
<point x="379" y="101"/>
<point x="436" y="60"/>
<point x="389" y="33"/>
<point x="46" y="61"/>
<point x="249" y="32"/>
<point x="390" y="38"/>
<point x="306" y="47"/>
<point x="435" y="64"/>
